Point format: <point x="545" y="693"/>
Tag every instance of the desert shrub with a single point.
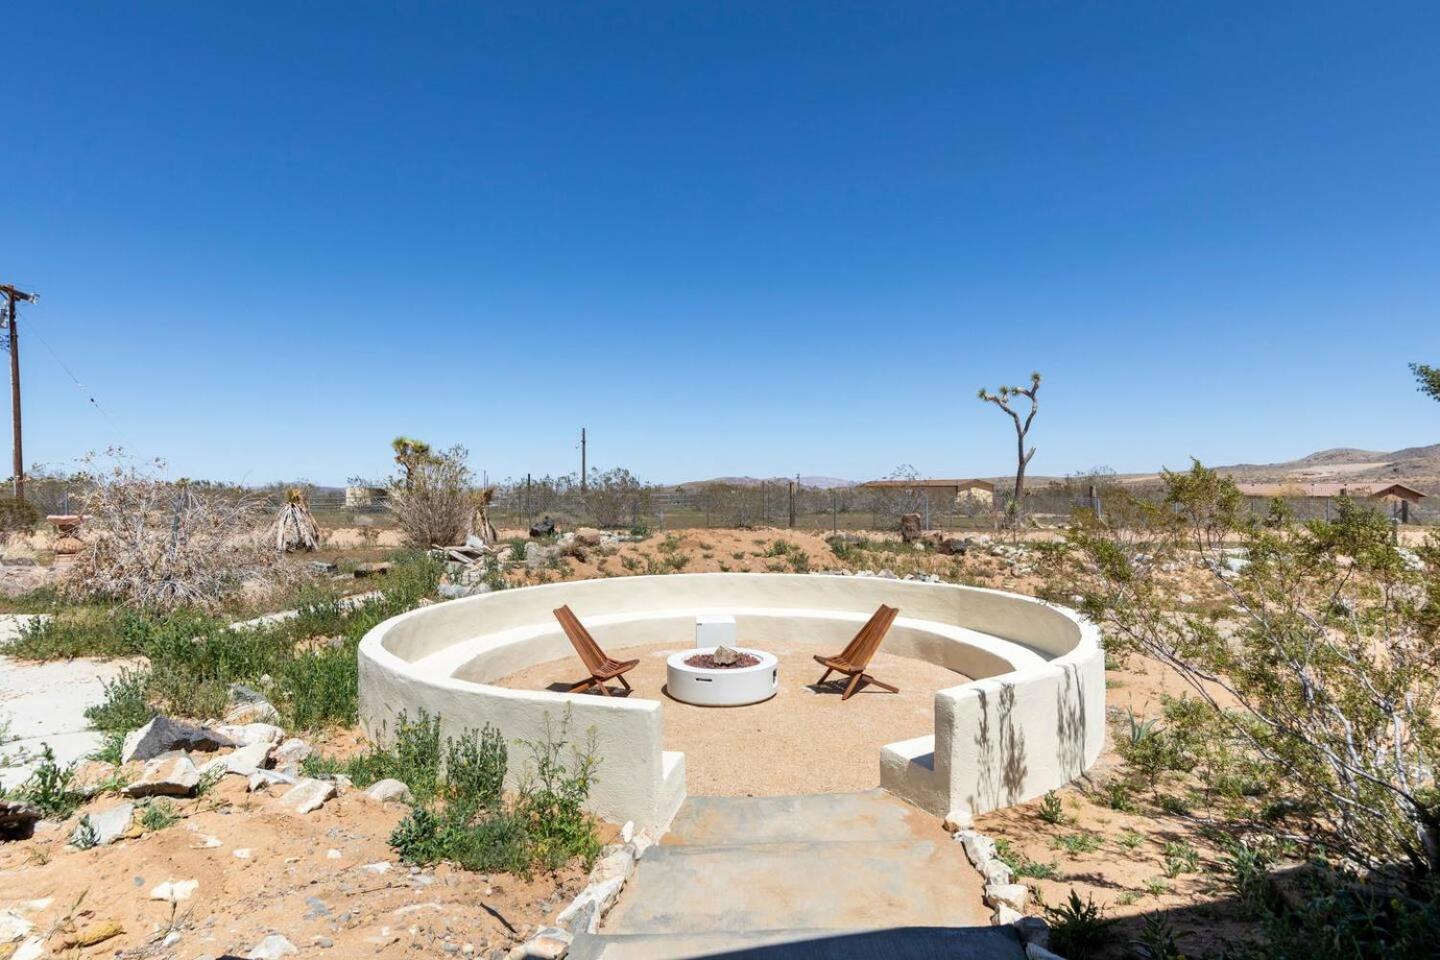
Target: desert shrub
<point x="159" y="545"/>
<point x="1052" y="810"/>
<point x="432" y="502"/>
<point x="158" y="815"/>
<point x="1021" y="865"/>
<point x="614" y="498"/>
<point x="126" y="704"/>
<point x="466" y="820"/>
<point x="49" y="787"/>
<point x="1077" y="927"/>
<point x="1328" y="656"/>
<point x="17" y="516"/>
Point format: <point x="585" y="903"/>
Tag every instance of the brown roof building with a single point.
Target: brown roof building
<point x="954" y="489"/>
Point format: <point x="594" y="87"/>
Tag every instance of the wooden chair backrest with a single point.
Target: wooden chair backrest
<point x="590" y="653"/>
<point x="857" y="652"/>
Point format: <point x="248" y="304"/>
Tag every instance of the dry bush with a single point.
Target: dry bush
<point x="162" y="544"/>
<point x="295" y="528"/>
<point x="432" y="502"/>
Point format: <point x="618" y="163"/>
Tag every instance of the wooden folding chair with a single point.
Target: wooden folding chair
<point x="853" y="660"/>
<point x="602" y="668"/>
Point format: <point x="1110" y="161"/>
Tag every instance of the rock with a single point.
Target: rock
<point x="165" y="777"/>
<point x="13" y="927"/>
<point x="174" y="891"/>
<point x="1012" y="895"/>
<point x="161" y="735"/>
<point x="953" y="546"/>
<point x="617" y="863"/>
<point x="291" y="751"/>
<point x="550" y="943"/>
<point x="544" y="528"/>
<point x="910" y="527"/>
<point x="978" y="847"/>
<point x="17" y="819"/>
<point x="1033" y="930"/>
<point x="589" y="536"/>
<point x="378" y="867"/>
<point x="627" y="832"/>
<point x="589" y="906"/>
<point x="323" y="566"/>
<point x="641" y="843"/>
<point x="32" y="949"/>
<point x="307" y="795"/>
<point x="389" y="791"/>
<point x="724" y="656"/>
<point x="1004" y="916"/>
<point x="363" y="570"/>
<point x="272" y="947"/>
<point x="455" y="591"/>
<point x="241" y="853"/>
<point x="244" y="734"/>
<point x="261" y="779"/>
<point x="257" y="711"/>
<point x="957" y="820"/>
<point x="242" y="762"/>
<point x="996" y="872"/>
<point x="108" y="825"/>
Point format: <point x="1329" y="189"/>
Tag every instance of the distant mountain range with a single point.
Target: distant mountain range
<point x="819" y="483"/>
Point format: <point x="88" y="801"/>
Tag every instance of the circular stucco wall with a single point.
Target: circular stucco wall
<point x="1031" y="720"/>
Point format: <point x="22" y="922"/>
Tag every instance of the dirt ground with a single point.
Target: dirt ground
<point x="802" y="740"/>
<point x="323" y="879"/>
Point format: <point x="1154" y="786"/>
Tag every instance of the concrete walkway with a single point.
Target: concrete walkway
<point x="44" y="704"/>
<point x="829" y="875"/>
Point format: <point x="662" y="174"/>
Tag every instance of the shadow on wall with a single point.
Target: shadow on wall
<point x="1071" y="718"/>
<point x="1001" y="747"/>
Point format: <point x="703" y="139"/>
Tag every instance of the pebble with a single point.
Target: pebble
<point x="272" y="947"/>
<point x="174" y="891"/>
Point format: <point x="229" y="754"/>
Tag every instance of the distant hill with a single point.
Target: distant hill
<point x="819" y="483"/>
<point x="1419" y="466"/>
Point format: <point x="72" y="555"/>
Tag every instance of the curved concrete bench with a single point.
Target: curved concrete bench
<point x="1031" y="720"/>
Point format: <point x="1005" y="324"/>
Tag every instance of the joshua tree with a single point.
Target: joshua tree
<point x="1001" y="398"/>
<point x="409" y="453"/>
<point x="1428" y="377"/>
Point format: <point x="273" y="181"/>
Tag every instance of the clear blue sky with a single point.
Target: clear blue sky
<point x="728" y="238"/>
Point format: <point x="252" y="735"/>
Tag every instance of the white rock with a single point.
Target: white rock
<point x="14" y="927"/>
<point x="389" y="791"/>
<point x="261" y="779"/>
<point x="550" y="943"/>
<point x="995" y="872"/>
<point x="32" y="949"/>
<point x="165" y="776"/>
<point x="332" y="854"/>
<point x="978" y="847"/>
<point x="1004" y="916"/>
<point x="627" y="832"/>
<point x="381" y="866"/>
<point x="617" y="863"/>
<point x="957" y="820"/>
<point x="242" y="762"/>
<point x="174" y="891"/>
<point x="272" y="947"/>
<point x="1012" y="895"/>
<point x="308" y="795"/>
<point x="248" y="733"/>
<point x="109" y="825"/>
<point x="590" y="905"/>
<point x="241" y="853"/>
<point x="641" y="843"/>
<point x="291" y="751"/>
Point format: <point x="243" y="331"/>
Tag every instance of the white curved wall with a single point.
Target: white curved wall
<point x="1031" y="721"/>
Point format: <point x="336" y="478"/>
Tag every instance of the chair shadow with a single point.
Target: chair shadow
<point x="617" y="692"/>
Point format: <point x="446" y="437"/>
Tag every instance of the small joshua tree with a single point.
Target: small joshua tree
<point x="1428" y="378"/>
<point x="1002" y="398"/>
<point x="410" y="454"/>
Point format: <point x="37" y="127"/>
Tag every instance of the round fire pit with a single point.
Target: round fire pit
<point x="691" y="678"/>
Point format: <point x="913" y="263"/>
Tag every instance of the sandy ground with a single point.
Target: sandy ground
<point x="322" y="879"/>
<point x="803" y="740"/>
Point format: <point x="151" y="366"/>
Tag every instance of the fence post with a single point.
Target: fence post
<point x="1094" y="502"/>
<point x="834" y="512"/>
<point x="792" y="504"/>
<point x="764" y="505"/>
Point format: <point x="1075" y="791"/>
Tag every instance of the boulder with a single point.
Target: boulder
<point x="175" y="891"/>
<point x="307" y="795"/>
<point x="1005" y="916"/>
<point x="261" y="779"/>
<point x="363" y="570"/>
<point x="957" y="820"/>
<point x="389" y="791"/>
<point x="550" y="943"/>
<point x="589" y="536"/>
<point x="978" y="847"/>
<point x="1012" y="895"/>
<point x="292" y="751"/>
<point x="273" y="947"/>
<point x="953" y="546"/>
<point x="170" y="776"/>
<point x="17" y="819"/>
<point x="910" y="527"/>
<point x="545" y="528"/>
<point x="254" y="711"/>
<point x="162" y="735"/>
<point x="243" y="761"/>
<point x="244" y="734"/>
<point x="108" y="825"/>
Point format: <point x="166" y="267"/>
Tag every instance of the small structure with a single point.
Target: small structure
<point x="361" y="498"/>
<point x="1396" y="494"/>
<point x="708" y="678"/>
<point x="954" y="490"/>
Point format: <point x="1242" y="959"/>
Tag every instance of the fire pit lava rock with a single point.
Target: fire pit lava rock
<point x="721" y="677"/>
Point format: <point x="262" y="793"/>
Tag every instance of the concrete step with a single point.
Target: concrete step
<point x="872" y="815"/>
<point x="905" y="943"/>
<point x="787" y="885"/>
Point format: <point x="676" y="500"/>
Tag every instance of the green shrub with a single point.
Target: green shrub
<point x="1077" y="927"/>
<point x="159" y="815"/>
<point x="48" y="788"/>
<point x="1052" y="810"/>
<point x="126" y="705"/>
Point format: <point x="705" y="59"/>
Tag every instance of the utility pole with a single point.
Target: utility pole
<point x="582" y="460"/>
<point x="13" y="342"/>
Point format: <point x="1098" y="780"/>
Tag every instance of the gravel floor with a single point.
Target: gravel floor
<point x="804" y="740"/>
